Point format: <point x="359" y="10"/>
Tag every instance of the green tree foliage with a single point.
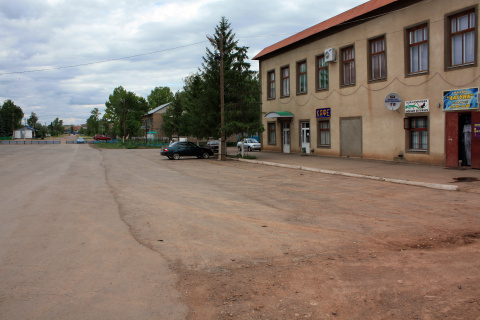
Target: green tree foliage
<point x="159" y="96"/>
<point x="174" y="124"/>
<point x="3" y="132"/>
<point x="125" y="110"/>
<point x="56" y="127"/>
<point x="41" y="131"/>
<point x="93" y="122"/>
<point x="32" y="120"/>
<point x="12" y="116"/>
<point x="241" y="89"/>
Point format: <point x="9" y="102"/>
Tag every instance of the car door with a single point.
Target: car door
<point x="191" y="149"/>
<point x="182" y="149"/>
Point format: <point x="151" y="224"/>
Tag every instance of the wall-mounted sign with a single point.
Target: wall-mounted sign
<point x="476" y="130"/>
<point x="323" y="113"/>
<point x="393" y="101"/>
<point x="462" y="99"/>
<point x="416" y="106"/>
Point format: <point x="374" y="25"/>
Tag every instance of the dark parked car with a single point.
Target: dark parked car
<point x="213" y="144"/>
<point x="185" y="149"/>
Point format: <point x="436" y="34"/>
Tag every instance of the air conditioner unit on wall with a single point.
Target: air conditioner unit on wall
<point x="330" y="55"/>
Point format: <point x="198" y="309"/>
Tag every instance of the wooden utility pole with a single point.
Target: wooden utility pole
<point x="124" y="127"/>
<point x="223" y="147"/>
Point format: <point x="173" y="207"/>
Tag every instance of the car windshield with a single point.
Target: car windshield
<point x="251" y="141"/>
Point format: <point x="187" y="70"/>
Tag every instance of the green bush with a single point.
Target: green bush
<point x="246" y="156"/>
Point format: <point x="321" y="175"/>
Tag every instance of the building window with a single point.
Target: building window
<point x="285" y="91"/>
<point x="348" y="66"/>
<point x="417" y="38"/>
<point x="324" y="133"/>
<point x="462" y="35"/>
<point x="378" y="62"/>
<point x="322" y="73"/>
<point x="302" y="77"/>
<point x="271" y="84"/>
<point x="418" y="133"/>
<point x="272" y="133"/>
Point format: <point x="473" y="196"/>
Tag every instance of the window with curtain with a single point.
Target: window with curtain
<point x="285" y="91"/>
<point x="418" y="49"/>
<point x="463" y="35"/>
<point x="324" y="133"/>
<point x="378" y="60"/>
<point x="418" y="131"/>
<point x="302" y="77"/>
<point x="322" y="73"/>
<point x="271" y="84"/>
<point x="348" y="66"/>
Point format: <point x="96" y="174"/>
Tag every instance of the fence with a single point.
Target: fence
<point x="29" y="142"/>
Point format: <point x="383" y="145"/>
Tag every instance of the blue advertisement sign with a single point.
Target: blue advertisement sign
<point x="462" y="99"/>
<point x="323" y="113"/>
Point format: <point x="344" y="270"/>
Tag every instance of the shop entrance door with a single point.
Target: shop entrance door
<point x="462" y="143"/>
<point x="451" y="144"/>
<point x="286" y="137"/>
<point x="305" y="137"/>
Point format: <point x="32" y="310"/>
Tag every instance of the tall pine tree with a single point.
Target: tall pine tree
<point x="241" y="90"/>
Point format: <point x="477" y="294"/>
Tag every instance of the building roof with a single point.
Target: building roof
<point x="346" y="16"/>
<point x="158" y="108"/>
<point x="25" y="128"/>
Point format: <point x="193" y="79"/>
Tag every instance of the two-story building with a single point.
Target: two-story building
<point x="153" y="122"/>
<point x="389" y="79"/>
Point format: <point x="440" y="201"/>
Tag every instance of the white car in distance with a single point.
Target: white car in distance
<point x="249" y="144"/>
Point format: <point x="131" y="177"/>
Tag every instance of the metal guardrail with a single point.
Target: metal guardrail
<point x="75" y="142"/>
<point x="30" y="142"/>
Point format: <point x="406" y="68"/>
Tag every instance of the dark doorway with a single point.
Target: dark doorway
<point x="465" y="139"/>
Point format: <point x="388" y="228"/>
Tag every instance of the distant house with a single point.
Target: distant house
<point x="153" y="122"/>
<point x="24" y="133"/>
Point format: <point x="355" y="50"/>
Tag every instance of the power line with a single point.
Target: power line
<point x="103" y="61"/>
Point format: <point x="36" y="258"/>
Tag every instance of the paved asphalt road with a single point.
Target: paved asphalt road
<point x="65" y="253"/>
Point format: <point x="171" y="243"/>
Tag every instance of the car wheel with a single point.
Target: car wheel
<point x="205" y="155"/>
<point x="176" y="156"/>
<point x="239" y="148"/>
<point x="249" y="148"/>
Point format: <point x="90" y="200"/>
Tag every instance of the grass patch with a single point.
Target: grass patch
<point x="246" y="156"/>
<point x="126" y="145"/>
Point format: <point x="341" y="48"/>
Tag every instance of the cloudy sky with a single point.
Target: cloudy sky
<point x="62" y="58"/>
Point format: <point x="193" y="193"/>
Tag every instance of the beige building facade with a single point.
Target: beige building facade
<point x="153" y="122"/>
<point x="386" y="80"/>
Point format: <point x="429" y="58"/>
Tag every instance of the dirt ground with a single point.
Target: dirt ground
<point x="247" y="241"/>
<point x="266" y="243"/>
